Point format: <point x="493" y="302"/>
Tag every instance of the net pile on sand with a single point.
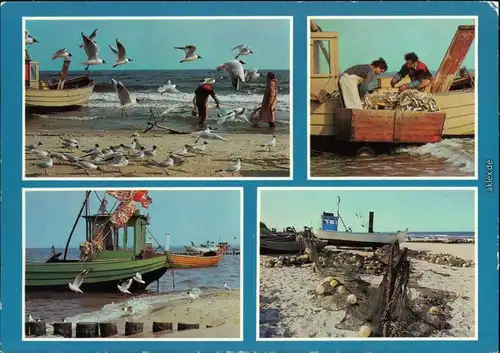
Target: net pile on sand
<point x="386" y="310"/>
<point x="409" y="100"/>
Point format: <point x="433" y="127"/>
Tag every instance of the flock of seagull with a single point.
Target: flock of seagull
<point x="119" y="157"/>
<point x="233" y="68"/>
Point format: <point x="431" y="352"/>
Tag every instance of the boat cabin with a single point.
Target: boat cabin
<point x="125" y="242"/>
<point x="329" y="222"/>
<point x="33" y="81"/>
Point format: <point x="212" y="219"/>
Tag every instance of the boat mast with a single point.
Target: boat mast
<point x="84" y="205"/>
<point x="338" y="214"/>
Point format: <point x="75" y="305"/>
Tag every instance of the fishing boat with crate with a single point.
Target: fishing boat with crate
<point x="105" y="251"/>
<point x="368" y="130"/>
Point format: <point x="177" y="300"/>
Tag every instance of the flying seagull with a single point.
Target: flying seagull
<point x="126" y="99"/>
<point x="189" y="53"/>
<point x="29" y="39"/>
<point x="92" y="51"/>
<point x="91" y="37"/>
<point x="120" y="53"/>
<point x="234" y="69"/>
<point x="62" y="53"/>
<point x="75" y="286"/>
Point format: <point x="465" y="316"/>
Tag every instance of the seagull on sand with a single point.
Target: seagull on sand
<point x="193" y="296"/>
<point x="233" y="168"/>
<point x="91" y="37"/>
<point x="126" y="99"/>
<point x="242" y="50"/>
<point x="181" y="151"/>
<point x="189" y="53"/>
<point x="33" y="146"/>
<point x="75" y="286"/>
<point x="68" y="139"/>
<point x="234" y="69"/>
<point x="29" y="39"/>
<point x="270" y="144"/>
<point x="138" y="278"/>
<point x="207" y="134"/>
<point x="118" y="162"/>
<point x="63" y="54"/>
<point x="125" y="286"/>
<point x="87" y="166"/>
<point x="46" y="164"/>
<point x="69" y="145"/>
<point x="120" y="53"/>
<point x="197" y="148"/>
<point x="92" y="51"/>
<point x="226" y="287"/>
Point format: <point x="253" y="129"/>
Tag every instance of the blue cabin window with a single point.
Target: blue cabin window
<point x="330" y="224"/>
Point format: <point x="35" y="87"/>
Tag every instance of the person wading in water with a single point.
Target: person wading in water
<point x="201" y="94"/>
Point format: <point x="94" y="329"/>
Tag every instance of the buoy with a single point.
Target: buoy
<point x="365" y="331"/>
<point x="182" y="326"/>
<point x="351" y="299"/>
<point x="133" y="328"/>
<point x="433" y="310"/>
<point x="37" y="328"/>
<point x="341" y="290"/>
<point x="162" y="326"/>
<point x="108" y="329"/>
<point x="333" y="283"/>
<point x="63" y="329"/>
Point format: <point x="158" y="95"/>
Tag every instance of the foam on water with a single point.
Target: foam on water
<point x="153" y="99"/>
<point x="63" y="117"/>
<point x="138" y="306"/>
<point x="458" y="152"/>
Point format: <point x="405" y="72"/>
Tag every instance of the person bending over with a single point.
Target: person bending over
<point x="418" y="72"/>
<point x="201" y="94"/>
<point x="354" y="82"/>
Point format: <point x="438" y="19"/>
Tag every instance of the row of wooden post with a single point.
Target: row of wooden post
<point x="102" y="329"/>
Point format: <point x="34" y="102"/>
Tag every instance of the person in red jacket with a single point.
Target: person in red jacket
<point x="201" y="94"/>
<point x="418" y="72"/>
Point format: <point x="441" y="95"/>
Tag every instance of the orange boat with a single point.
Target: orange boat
<point x="190" y="260"/>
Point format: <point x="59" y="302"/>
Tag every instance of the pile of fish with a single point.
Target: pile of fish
<point x="441" y="259"/>
<point x="409" y="100"/>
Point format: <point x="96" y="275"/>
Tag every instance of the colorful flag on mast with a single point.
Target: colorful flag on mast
<point x="127" y="206"/>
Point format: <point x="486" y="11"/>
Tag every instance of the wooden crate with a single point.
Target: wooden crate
<point x="365" y="125"/>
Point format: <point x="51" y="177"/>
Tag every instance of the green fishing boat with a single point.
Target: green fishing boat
<point x="106" y="253"/>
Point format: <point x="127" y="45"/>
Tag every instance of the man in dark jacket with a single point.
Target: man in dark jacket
<point x="201" y="94"/>
<point x="418" y="72"/>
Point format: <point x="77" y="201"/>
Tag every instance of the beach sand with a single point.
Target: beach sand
<point x="256" y="161"/>
<point x="217" y="313"/>
<point x="287" y="310"/>
<point x="220" y="311"/>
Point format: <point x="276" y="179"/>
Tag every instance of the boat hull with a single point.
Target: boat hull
<point x="51" y="100"/>
<point x="361" y="239"/>
<point x="193" y="261"/>
<point x="103" y="276"/>
<point x="273" y="247"/>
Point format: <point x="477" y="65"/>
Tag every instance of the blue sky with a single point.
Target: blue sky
<point x="151" y="42"/>
<point x="364" y="40"/>
<point x="417" y="210"/>
<point x="194" y="215"/>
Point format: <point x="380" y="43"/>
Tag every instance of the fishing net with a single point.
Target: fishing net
<point x="409" y="100"/>
<point x="397" y="307"/>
